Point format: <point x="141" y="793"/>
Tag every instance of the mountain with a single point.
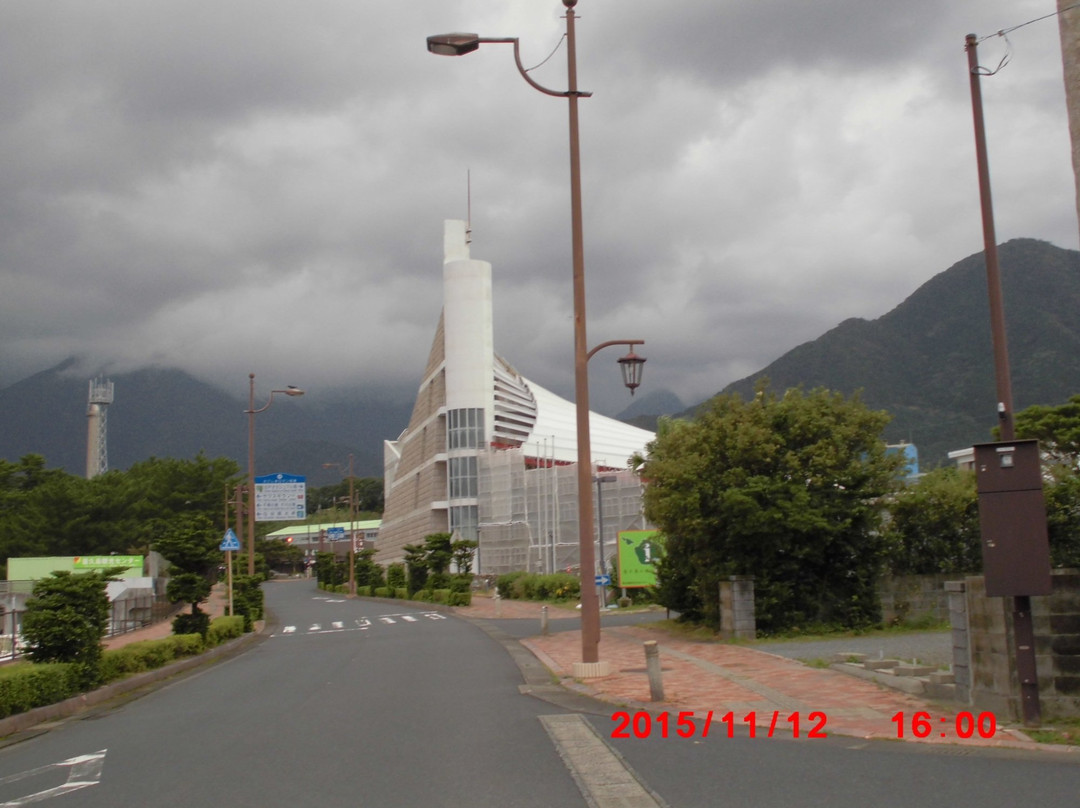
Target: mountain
<point x="652" y="404"/>
<point x="929" y="361"/>
<point x="167" y="413"/>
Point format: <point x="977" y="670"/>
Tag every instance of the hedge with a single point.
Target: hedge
<point x="26" y="685"/>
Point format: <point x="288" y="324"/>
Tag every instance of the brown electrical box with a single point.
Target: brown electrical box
<point x="1012" y="518"/>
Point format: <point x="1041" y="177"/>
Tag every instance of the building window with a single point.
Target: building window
<point x="464" y="521"/>
<point x="463" y="477"/>
<point x="465" y="428"/>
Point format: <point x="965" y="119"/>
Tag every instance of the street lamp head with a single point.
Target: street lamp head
<point x="631" y="366"/>
<point x="292" y="390"/>
<point x="453" y="44"/>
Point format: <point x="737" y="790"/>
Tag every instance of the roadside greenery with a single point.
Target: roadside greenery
<point x="26" y="685"/>
<point x="786" y="488"/>
<point x="65" y="621"/>
<point x="558" y="587"/>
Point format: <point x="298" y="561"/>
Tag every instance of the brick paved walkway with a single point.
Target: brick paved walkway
<point x="701" y="676"/>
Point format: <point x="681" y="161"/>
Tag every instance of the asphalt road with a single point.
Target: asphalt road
<point x="357" y="703"/>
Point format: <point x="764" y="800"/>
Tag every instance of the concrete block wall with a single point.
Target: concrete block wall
<point x="994" y="682"/>
<point x="737" y="620"/>
<point x="909" y="597"/>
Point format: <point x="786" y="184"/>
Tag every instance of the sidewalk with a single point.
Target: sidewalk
<point x="214" y="606"/>
<point x="721" y="678"/>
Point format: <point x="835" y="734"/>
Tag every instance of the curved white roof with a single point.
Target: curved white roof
<point x="554" y="435"/>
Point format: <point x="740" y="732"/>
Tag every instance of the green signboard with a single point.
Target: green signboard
<point x="639" y="550"/>
<point x="32" y="569"/>
<point x="104" y="562"/>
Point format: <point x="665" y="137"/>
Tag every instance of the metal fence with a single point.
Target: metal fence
<point x="125" y="614"/>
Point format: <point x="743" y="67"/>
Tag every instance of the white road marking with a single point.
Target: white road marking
<point x="85" y="771"/>
<point x="315" y="627"/>
<point x="288" y="629"/>
<point x="408" y="618"/>
<point x="435" y="616"/>
<point x="338" y="624"/>
<point x="387" y="620"/>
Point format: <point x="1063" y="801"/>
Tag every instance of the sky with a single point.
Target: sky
<point x="231" y="186"/>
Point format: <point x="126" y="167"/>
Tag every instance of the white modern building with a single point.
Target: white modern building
<point x="489" y="455"/>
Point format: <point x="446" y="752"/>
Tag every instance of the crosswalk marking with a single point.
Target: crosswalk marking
<point x="359" y="624"/>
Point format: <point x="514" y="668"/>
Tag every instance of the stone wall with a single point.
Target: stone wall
<point x="737" y="615"/>
<point x="912" y="597"/>
<point x="994" y="684"/>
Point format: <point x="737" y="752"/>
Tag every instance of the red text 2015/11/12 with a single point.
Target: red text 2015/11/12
<point x="642" y="724"/>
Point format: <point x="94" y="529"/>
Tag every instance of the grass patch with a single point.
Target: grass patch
<point x="1063" y="731"/>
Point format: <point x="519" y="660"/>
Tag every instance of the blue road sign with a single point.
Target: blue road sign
<point x="603" y="580"/>
<point x="230" y="542"/>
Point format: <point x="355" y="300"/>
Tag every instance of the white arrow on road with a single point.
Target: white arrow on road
<point x="85" y="771"/>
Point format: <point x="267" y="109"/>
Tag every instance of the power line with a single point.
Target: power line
<point x="1005" y="31"/>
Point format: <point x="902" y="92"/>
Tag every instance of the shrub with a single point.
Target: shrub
<point x="65" y="621"/>
<point x="459" y="599"/>
<point x="26" y="685"/>
<point x="395" y="576"/>
<point x="461" y="582"/>
<point x="197" y="622"/>
<point x="401" y="592"/>
<point x="439" y="595"/>
<point x="224" y="629"/>
<point x="504" y="583"/>
<point x="384" y="592"/>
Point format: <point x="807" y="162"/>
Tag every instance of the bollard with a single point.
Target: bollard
<point x="652" y="667"/>
<point x="498" y="605"/>
<point x="543" y="620"/>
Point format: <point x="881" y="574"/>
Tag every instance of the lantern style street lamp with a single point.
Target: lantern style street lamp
<point x="459" y="44"/>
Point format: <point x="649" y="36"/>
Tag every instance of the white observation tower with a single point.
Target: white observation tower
<point x="97" y="454"/>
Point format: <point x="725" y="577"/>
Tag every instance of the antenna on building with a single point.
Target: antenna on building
<point x="97" y="455"/>
<point x="468" y="206"/>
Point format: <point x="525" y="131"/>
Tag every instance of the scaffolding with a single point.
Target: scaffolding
<point x="527" y="509"/>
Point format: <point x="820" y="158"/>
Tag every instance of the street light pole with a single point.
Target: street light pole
<point x="458" y="45"/>
<point x="251" y="413"/>
<point x="352" y="525"/>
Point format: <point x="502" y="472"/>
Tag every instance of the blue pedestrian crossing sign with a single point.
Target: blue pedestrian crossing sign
<point x="230" y="542"/>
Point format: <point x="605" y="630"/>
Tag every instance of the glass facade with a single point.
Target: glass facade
<point x="465" y="428"/>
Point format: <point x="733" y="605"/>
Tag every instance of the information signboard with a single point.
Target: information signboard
<point x="639" y="550"/>
<point x="280" y="497"/>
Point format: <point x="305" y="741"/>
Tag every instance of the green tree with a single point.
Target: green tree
<point x="65" y="620"/>
<point x="1058" y="431"/>
<point x="464" y="551"/>
<point x="1056" y="428"/>
<point x="784" y="488"/>
<point x="416" y="564"/>
<point x="396" y="576"/>
<point x="933" y="525"/>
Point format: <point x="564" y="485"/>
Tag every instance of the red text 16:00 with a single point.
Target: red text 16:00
<point x="965" y="725"/>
